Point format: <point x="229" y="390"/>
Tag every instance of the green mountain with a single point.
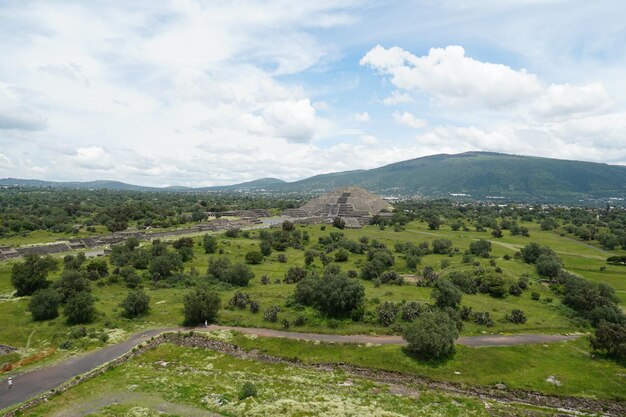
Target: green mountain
<point x="481" y="175"/>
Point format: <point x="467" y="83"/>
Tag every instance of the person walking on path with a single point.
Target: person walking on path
<point x="10" y="382"/>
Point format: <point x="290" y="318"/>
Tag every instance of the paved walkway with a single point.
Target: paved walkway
<point x="32" y="383"/>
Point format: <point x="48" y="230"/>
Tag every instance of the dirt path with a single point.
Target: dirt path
<point x="140" y="399"/>
<point x="473" y="341"/>
<point x="32" y="383"/>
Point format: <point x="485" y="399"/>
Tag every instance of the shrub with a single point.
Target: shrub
<point x="31" y="274"/>
<point x="300" y="320"/>
<point x="548" y="266"/>
<point x="247" y="390"/>
<point x="610" y="338"/>
<point x="254" y="307"/>
<point x="285" y="323"/>
<point x="483" y="318"/>
<point x="442" y="246"/>
<point x="464" y="281"/>
<point x="432" y="335"/>
<point x="79" y="308"/>
<point x="265" y="280"/>
<point x="201" y="305"/>
<point x="517" y="316"/>
<point x="535" y="296"/>
<point x="514" y="289"/>
<point x="411" y="310"/>
<point x="493" y="285"/>
<point x="97" y="268"/>
<point x="387" y="313"/>
<point x="446" y="294"/>
<point x="480" y="248"/>
<point x="341" y="255"/>
<point x="339" y="223"/>
<point x="282" y="258"/>
<point x="210" y="244"/>
<point x="135" y="304"/>
<point x="254" y="257"/>
<point x="295" y="274"/>
<point x="335" y="295"/>
<point x="266" y="248"/>
<point x="271" y="314"/>
<point x="44" y="304"/>
<point x="239" y="300"/>
<point x="391" y="277"/>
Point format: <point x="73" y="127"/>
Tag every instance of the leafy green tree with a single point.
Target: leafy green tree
<point x="548" y="266"/>
<point x="70" y="283"/>
<point x="210" y="244"/>
<point x="335" y="295"/>
<point x="135" y="304"/>
<point x="201" y="305"/>
<point x="131" y="243"/>
<point x="254" y="257"/>
<point x="442" y="246"/>
<point x="339" y="223"/>
<point x="610" y="338"/>
<point x="31" y="274"/>
<point x="341" y="255"/>
<point x="295" y="274"/>
<point x="266" y="248"/>
<point x="44" y="304"/>
<point x="97" y="269"/>
<point x="432" y="335"/>
<point x="517" y="316"/>
<point x="480" y="248"/>
<point x="165" y="265"/>
<point x="446" y="294"/>
<point x="80" y="308"/>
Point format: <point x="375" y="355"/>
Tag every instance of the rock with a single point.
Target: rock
<point x="501" y="386"/>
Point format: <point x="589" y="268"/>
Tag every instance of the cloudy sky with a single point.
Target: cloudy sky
<point x="216" y="92"/>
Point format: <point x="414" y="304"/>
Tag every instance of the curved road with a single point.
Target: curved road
<point x="38" y="381"/>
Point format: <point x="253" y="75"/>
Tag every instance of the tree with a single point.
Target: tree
<point x="44" y="304"/>
<point x="517" y="316"/>
<point x="611" y="338"/>
<point x="266" y="248"/>
<point x="131" y="243"/>
<point x="288" y="226"/>
<point x="201" y="305"/>
<point x="135" y="304"/>
<point x="336" y="295"/>
<point x="480" y="248"/>
<point x="71" y="282"/>
<point x="31" y="274"/>
<point x="218" y="268"/>
<point x="432" y="335"/>
<point x="341" y="255"/>
<point x="239" y="275"/>
<point x="387" y="313"/>
<point x="339" y="223"/>
<point x="79" y="308"/>
<point x="446" y="294"/>
<point x="183" y="242"/>
<point x="254" y="257"/>
<point x="295" y="274"/>
<point x="434" y="222"/>
<point x="165" y="265"/>
<point x="548" y="266"/>
<point x="532" y="252"/>
<point x="442" y="246"/>
<point x="210" y="244"/>
<point x="97" y="269"/>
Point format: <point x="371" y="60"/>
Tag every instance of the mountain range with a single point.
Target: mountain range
<point x="476" y="175"/>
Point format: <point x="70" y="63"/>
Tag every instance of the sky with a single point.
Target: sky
<point x="199" y="93"/>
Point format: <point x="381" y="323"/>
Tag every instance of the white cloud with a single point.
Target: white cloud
<point x="397" y="97"/>
<point x="369" y="139"/>
<point x="409" y="119"/>
<point x="92" y="157"/>
<point x="362" y="117"/>
<point x="453" y="78"/>
<point x="5" y="161"/>
<point x="563" y="100"/>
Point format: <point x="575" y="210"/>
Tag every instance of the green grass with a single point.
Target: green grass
<point x="191" y="381"/>
<point x="524" y="367"/>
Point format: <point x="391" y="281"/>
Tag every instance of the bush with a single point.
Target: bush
<point x="339" y="223"/>
<point x="31" y="274"/>
<point x="446" y="294"/>
<point x="432" y="335"/>
<point x="254" y="307"/>
<point x="335" y="295"/>
<point x="514" y="289"/>
<point x="300" y="320"/>
<point x="44" y="304"/>
<point x="535" y="296"/>
<point x="247" y="390"/>
<point x="254" y="257"/>
<point x="387" y="313"/>
<point x="464" y="281"/>
<point x="201" y="305"/>
<point x="282" y="258"/>
<point x="341" y="255"/>
<point x="97" y="268"/>
<point x="517" y="316"/>
<point x="295" y="274"/>
<point x="239" y="300"/>
<point x="411" y="310"/>
<point x="391" y="277"/>
<point x="493" y="285"/>
<point x="266" y="248"/>
<point x="442" y="246"/>
<point x="210" y="244"/>
<point x="483" y="318"/>
<point x="271" y="314"/>
<point x="70" y="283"/>
<point x="79" y="308"/>
<point x="610" y="338"/>
<point x="548" y="266"/>
<point x="135" y="304"/>
<point x="480" y="248"/>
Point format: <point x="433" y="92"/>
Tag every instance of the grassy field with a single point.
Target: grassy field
<point x="171" y="380"/>
<point x="20" y="331"/>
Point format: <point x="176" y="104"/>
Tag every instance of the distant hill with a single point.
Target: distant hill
<point x="481" y="175"/>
